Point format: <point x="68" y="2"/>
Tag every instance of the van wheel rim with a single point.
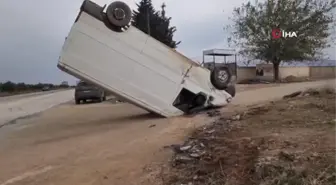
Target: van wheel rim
<point x="119" y="13"/>
<point x="223" y="76"/>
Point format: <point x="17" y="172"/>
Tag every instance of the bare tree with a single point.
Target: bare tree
<point x="246" y="62"/>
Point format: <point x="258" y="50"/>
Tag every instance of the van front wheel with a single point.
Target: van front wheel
<point x="119" y="14"/>
<point x="199" y="100"/>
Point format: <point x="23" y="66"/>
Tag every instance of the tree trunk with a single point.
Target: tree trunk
<point x="276" y="71"/>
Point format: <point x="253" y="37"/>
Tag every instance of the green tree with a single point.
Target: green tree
<point x="311" y="19"/>
<point x="8" y="87"/>
<point x="143" y="17"/>
<point x="154" y="23"/>
<point x="21" y="87"/>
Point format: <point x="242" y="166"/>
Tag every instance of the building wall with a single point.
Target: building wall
<point x="322" y="72"/>
<point x="298" y="71"/>
<point x="284" y="71"/>
<point x="247" y="73"/>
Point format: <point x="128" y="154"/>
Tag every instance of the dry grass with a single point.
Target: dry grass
<point x="289" y="142"/>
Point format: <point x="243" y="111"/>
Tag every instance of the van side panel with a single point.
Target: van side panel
<point x="121" y="62"/>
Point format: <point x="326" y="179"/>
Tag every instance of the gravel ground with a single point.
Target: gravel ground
<point x="286" y="142"/>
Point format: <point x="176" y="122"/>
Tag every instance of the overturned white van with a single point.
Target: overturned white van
<point x="104" y="49"/>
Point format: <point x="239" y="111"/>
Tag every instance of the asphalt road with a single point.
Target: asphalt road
<point x="26" y="95"/>
<point x="19" y="106"/>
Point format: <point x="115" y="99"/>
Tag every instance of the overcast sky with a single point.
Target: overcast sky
<point x="33" y="32"/>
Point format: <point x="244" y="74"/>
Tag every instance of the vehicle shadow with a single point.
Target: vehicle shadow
<point x="139" y="117"/>
<point x="93" y="127"/>
<point x="89" y="102"/>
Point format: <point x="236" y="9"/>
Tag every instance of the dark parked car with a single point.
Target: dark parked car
<point x="45" y="88"/>
<point x="85" y="91"/>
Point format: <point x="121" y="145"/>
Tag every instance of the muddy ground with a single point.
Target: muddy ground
<point x="285" y="142"/>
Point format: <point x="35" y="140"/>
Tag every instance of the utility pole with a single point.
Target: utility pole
<point x="163" y="12"/>
<point x="148" y="22"/>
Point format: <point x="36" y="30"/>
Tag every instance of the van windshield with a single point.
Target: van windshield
<point x="83" y="84"/>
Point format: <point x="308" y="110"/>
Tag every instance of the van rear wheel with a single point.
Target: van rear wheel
<point x="231" y="90"/>
<point x="220" y="77"/>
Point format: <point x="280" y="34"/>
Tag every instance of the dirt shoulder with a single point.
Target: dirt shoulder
<point x="290" y="141"/>
<point x="97" y="144"/>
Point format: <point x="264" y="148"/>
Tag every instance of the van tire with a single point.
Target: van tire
<point x="103" y="97"/>
<point x="199" y="100"/>
<point x="231" y="89"/>
<point x="119" y="14"/>
<point x="220" y="77"/>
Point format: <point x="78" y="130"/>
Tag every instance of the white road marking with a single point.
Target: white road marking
<point x="27" y="174"/>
